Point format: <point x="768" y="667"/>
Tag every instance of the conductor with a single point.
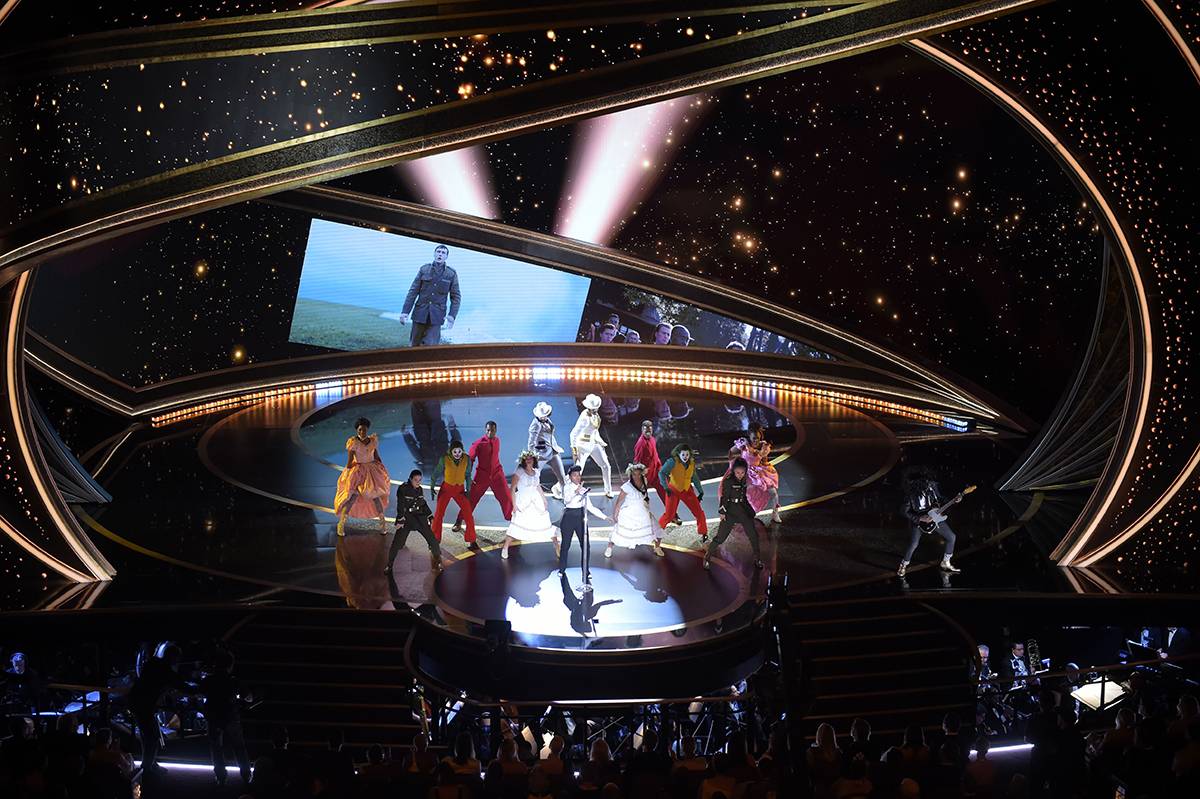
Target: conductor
<point x="425" y="305"/>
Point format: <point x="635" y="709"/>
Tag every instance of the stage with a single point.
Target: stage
<point x="242" y="500"/>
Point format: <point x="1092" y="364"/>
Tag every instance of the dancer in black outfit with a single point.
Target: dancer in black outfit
<point x="575" y="503"/>
<point x="413" y="515"/>
<point x="735" y="509"/>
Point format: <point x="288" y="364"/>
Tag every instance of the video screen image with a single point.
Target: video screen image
<point x="366" y="289"/>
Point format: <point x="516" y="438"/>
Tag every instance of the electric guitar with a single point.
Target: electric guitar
<point x="938" y="515"/>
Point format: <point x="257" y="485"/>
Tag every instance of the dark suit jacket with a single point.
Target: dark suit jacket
<point x="427" y="295"/>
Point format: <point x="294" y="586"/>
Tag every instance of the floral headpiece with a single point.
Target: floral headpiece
<point x="526" y="453"/>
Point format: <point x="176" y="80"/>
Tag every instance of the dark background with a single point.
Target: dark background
<point x="847" y="175"/>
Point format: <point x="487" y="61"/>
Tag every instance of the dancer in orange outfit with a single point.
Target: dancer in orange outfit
<point x="678" y="476"/>
<point x="454" y="471"/>
<point x="364" y="485"/>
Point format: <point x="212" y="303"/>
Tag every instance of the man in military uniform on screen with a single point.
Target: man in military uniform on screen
<point x="425" y="305"/>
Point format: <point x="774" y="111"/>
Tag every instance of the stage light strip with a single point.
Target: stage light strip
<point x="1176" y="37"/>
<point x="13" y="362"/>
<point x="736" y="386"/>
<point x="1142" y="394"/>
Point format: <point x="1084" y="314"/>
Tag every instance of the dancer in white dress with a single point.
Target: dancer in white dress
<point x="633" y="523"/>
<point x="531" y="518"/>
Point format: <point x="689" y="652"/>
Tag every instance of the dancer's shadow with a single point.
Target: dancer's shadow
<point x="583" y="611"/>
<point x="646" y="580"/>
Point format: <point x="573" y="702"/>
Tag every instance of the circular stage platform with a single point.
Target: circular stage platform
<point x="245" y="499"/>
<point x="636" y="599"/>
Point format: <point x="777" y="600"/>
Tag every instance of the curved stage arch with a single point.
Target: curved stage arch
<point x="1153" y="471"/>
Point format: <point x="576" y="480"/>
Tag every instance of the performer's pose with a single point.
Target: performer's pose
<point x="454" y="470"/>
<point x="735" y="509"/>
<point x="762" y="478"/>
<point x="678" y="475"/>
<point x="921" y="496"/>
<point x="412" y="516"/>
<point x="543" y="444"/>
<point x="425" y="304"/>
<point x="576" y="504"/>
<point x="485" y="454"/>
<point x="586" y="441"/>
<point x="531" y="518"/>
<point x="645" y="452"/>
<point x="633" y="522"/>
<point x="364" y="484"/>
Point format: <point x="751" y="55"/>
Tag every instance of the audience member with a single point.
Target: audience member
<point x="721" y="782"/>
<point x="419" y="759"/>
<point x="463" y="762"/>
<point x="447" y="785"/>
<point x="1187" y="710"/>
<point x="688" y="760"/>
<point x="861" y="746"/>
<point x="854" y="784"/>
<point x="915" y="755"/>
<point x="274" y="771"/>
<point x="106" y="753"/>
<point x="824" y="761"/>
<point x="648" y="772"/>
<point x="979" y="780"/>
<point x="599" y="770"/>
<point x="553" y="765"/>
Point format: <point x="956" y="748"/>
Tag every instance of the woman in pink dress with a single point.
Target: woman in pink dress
<point x="761" y="477"/>
<point x="363" y="488"/>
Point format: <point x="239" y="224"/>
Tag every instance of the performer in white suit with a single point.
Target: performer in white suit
<point x="543" y="444"/>
<point x="586" y="441"/>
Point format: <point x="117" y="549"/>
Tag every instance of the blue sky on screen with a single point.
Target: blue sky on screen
<point x="502" y="299"/>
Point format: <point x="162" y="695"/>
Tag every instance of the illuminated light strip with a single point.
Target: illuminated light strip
<point x="1143" y="307"/>
<point x="13" y="361"/>
<point x="1176" y="37"/>
<point x="999" y="750"/>
<point x="714" y="381"/>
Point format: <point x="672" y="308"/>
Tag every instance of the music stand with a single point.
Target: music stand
<point x="1089" y="694"/>
<point x="1139" y="652"/>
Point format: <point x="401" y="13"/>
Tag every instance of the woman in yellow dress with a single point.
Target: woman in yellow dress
<point x="363" y="488"/>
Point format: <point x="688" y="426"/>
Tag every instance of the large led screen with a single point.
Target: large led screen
<point x="366" y="289"/>
<point x="363" y="289"/>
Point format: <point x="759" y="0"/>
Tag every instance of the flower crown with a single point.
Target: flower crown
<point x="526" y="453"/>
<point x="634" y="467"/>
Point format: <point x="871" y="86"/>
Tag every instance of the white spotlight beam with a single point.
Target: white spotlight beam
<point x="616" y="159"/>
<point x="457" y="180"/>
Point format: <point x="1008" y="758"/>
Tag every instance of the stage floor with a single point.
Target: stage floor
<point x="239" y="505"/>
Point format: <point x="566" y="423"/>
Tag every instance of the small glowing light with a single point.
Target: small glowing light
<point x="962" y="174"/>
<point x="690" y="32"/>
<point x="879" y="300"/>
<point x="956" y="203"/>
<point x="551" y="35"/>
<point x="465" y="90"/>
<point x="238" y="355"/>
<point x="303" y="83"/>
<point x="201" y="268"/>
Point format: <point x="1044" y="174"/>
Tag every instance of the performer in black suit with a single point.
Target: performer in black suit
<point x="413" y="515"/>
<point x="735" y="509"/>
<point x="575" y="503"/>
<point x="921" y="496"/>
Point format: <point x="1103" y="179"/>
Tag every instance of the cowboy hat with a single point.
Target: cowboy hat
<point x="591" y="402"/>
<point x="542" y="410"/>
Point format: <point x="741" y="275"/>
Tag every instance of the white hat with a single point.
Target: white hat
<point x="542" y="410"/>
<point x="591" y="402"/>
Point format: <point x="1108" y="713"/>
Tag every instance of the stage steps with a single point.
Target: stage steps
<point x="315" y="672"/>
<point x="893" y="662"/>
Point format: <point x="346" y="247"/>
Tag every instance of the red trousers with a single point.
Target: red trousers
<point x="653" y="481"/>
<point x="690" y="499"/>
<point x="500" y="489"/>
<point x="447" y="492"/>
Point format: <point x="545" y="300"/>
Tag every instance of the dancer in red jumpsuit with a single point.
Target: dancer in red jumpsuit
<point x="485" y="453"/>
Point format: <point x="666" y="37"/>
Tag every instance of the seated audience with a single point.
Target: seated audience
<point x="419" y="759"/>
<point x="854" y="784"/>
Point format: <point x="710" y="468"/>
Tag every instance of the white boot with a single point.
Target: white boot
<point x="947" y="566"/>
<point x="903" y="568"/>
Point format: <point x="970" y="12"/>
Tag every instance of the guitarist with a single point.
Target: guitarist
<point x="922" y="498"/>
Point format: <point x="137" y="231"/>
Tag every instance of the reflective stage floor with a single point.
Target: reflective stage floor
<point x="238" y="506"/>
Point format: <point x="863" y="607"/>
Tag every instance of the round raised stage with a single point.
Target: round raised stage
<point x="247" y="496"/>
